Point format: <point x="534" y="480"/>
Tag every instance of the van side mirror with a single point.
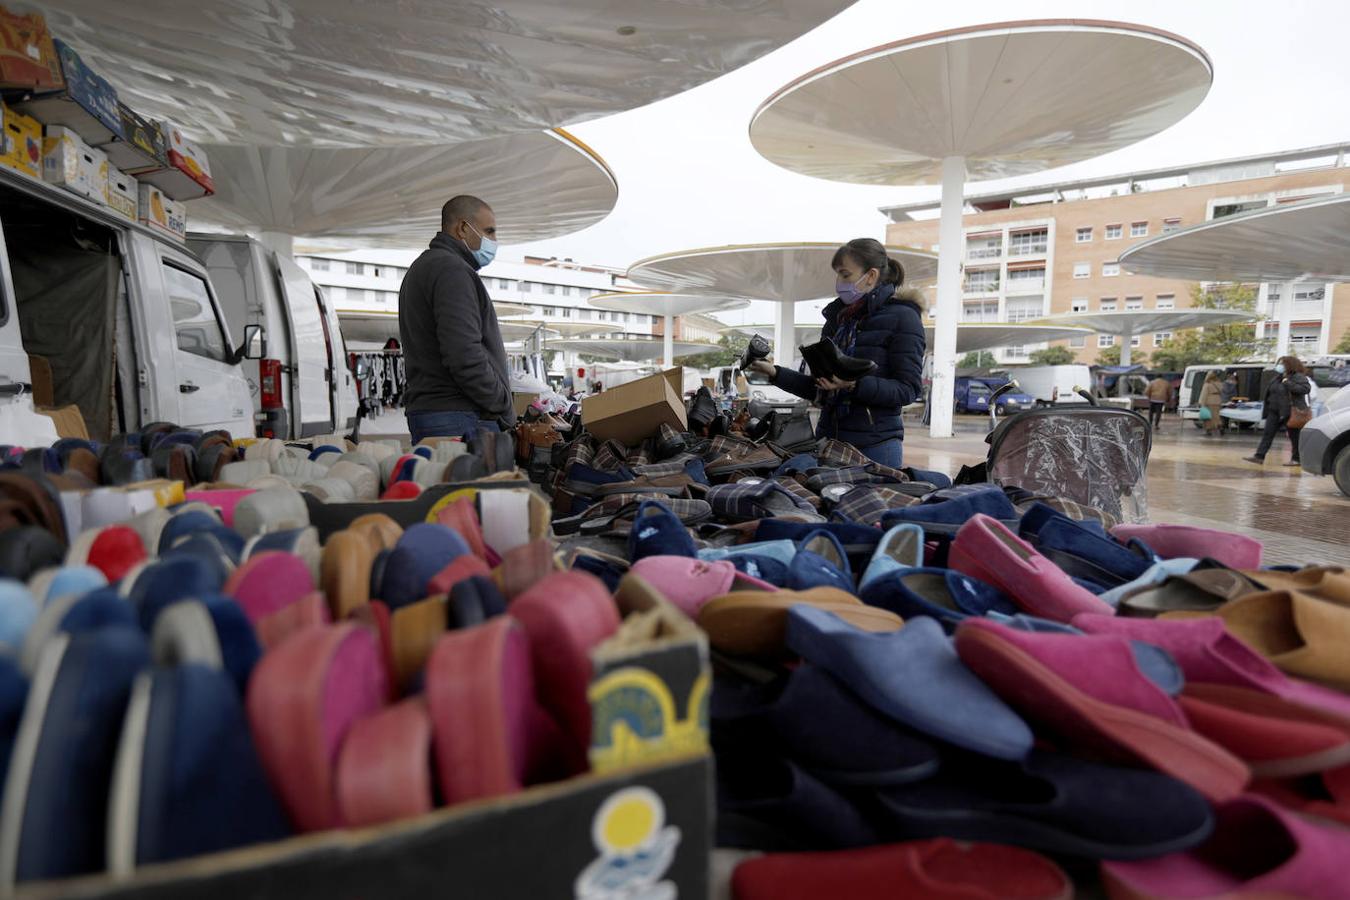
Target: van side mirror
<point x="255" y="342"/>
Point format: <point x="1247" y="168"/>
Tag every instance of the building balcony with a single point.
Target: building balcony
<point x="1028" y="250"/>
<point x="1017" y="286"/>
<point x="975" y="253"/>
<point x="981" y="289"/>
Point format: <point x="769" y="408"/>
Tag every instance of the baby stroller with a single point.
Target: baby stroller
<point x="1093" y="455"/>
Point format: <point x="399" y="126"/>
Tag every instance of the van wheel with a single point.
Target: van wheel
<point x="1340" y="470"/>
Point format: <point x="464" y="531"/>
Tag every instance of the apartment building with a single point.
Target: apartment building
<point x="1054" y="248"/>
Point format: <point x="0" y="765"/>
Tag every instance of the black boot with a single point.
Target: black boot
<point x="757" y="349"/>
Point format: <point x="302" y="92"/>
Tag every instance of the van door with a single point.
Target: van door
<point x="212" y="392"/>
<point x="311" y="375"/>
<point x="344" y="385"/>
<point x="14" y="375"/>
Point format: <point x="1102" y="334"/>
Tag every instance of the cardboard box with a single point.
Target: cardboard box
<point x="521" y="402"/>
<point x="140" y="147"/>
<point x="159" y="212"/>
<point x="122" y="196"/>
<point x="22" y="144"/>
<point x="330" y="517"/>
<point x="71" y="163"/>
<point x="633" y="412"/>
<point x="27" y="54"/>
<point x="188" y="175"/>
<point x="87" y="104"/>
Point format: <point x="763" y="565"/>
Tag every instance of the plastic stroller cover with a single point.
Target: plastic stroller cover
<point x="1091" y="455"/>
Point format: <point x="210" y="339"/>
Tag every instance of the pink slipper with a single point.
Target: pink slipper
<point x="480" y="688"/>
<point x="462" y="515"/>
<point x="690" y="583"/>
<point x="222" y="501"/>
<point x="986" y="549"/>
<point x="523" y="567"/>
<point x="566" y="616"/>
<point x="269" y="582"/>
<point x="1257" y="850"/>
<point x="402" y="490"/>
<point x="302" y="698"/>
<point x="1237" y="551"/>
<point x="459" y="569"/>
<point x="309" y="610"/>
<point x="384" y="770"/>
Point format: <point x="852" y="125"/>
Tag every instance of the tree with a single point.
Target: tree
<point x="728" y="353"/>
<point x="1344" y="345"/>
<point x="1052" y="356"/>
<point x="980" y="359"/>
<point x="1109" y="356"/>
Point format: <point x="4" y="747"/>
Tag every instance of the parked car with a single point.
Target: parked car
<point x="973" y="393"/>
<point x="759" y="388"/>
<point x="1053" y="385"/>
<point x="113" y="316"/>
<point x="1324" y="443"/>
<point x="298" y="373"/>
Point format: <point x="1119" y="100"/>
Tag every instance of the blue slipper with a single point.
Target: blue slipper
<point x="18" y="612"/>
<point x="944" y="594"/>
<point x="860" y="541"/>
<point x="940" y="480"/>
<point x="13" y="693"/>
<point x="53" y="823"/>
<point x="820" y="561"/>
<point x="945" y="511"/>
<point x="473" y="601"/>
<point x="212" y="630"/>
<point x="220" y="544"/>
<point x="781" y="550"/>
<point x="802" y="462"/>
<point x="657" y="531"/>
<point x="187" y="778"/>
<point x="765" y="568"/>
<point x="1038" y="514"/>
<point x="768" y="803"/>
<point x="170" y="580"/>
<point x="68" y="579"/>
<point x="900" y="548"/>
<point x="185" y="523"/>
<point x="72" y="614"/>
<point x="422" y="551"/>
<point x="823" y="727"/>
<point x="1055" y="804"/>
<point x="1105" y="561"/>
<point x="1155" y="574"/>
<point x="914" y="676"/>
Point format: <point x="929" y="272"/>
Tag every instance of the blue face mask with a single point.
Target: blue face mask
<point x="1279" y="367"/>
<point x="849" y="293"/>
<point x="487" y="248"/>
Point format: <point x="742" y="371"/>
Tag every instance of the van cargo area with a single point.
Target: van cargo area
<point x="67" y="277"/>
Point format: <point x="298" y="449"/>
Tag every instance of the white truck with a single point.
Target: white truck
<point x="1053" y="385"/>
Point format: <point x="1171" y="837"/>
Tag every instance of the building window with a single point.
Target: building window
<point x="526" y="287"/>
<point x="1106" y="340"/>
<point x="1161" y="337"/>
<point x="1025" y="281"/>
<point x="1134" y="303"/>
<point x="984" y="246"/>
<point x="584" y="314"/>
<point x="1171" y="225"/>
<point x="1108" y="304"/>
<point x="1113" y="232"/>
<point x="1110" y="270"/>
<point x="1027" y="243"/>
<point x="1083" y="236"/>
<point x="1078" y="343"/>
<point x="567" y="290"/>
<point x="1231" y="209"/>
<point x="355" y="268"/>
<point x="1078" y="304"/>
<point x="504" y="284"/>
<point x="981" y="281"/>
<point x="336" y="293"/>
<point x="980" y="311"/>
<point x="1023" y="308"/>
<point x="550" y="289"/>
<point x="1166" y="301"/>
<point x="1138" y="229"/>
<point x="1017" y="351"/>
<point x="566" y="312"/>
<point x="1135" y="341"/>
<point x="1082" y="270"/>
<point x="318" y="265"/>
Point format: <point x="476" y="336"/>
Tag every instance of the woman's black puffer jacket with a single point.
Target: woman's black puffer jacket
<point x="891" y="335"/>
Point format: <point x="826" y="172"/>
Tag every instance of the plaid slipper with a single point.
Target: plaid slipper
<point x="834" y="454"/>
<point x="867" y="503"/>
<point x="744" y="501"/>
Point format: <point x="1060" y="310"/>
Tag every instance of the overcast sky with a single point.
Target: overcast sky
<point x="688" y="176"/>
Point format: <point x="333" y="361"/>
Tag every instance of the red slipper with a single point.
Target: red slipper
<point x="114" y="550"/>
<point x="480" y="690"/>
<point x="1274" y="737"/>
<point x="566" y="616"/>
<point x="523" y="567"/>
<point x="462" y="515"/>
<point x="459" y="569"/>
<point x="309" y="610"/>
<point x="268" y="582"/>
<point x="384" y="770"/>
<point x="938" y="869"/>
<point x="302" y="698"/>
<point x="1090" y="691"/>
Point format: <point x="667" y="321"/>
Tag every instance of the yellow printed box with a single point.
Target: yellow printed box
<point x="23" y="143"/>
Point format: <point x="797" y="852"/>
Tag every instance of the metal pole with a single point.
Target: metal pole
<point x="668" y="341"/>
<point x="951" y="247"/>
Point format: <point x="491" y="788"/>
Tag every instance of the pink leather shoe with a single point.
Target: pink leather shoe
<point x="986" y="549"/>
<point x="1237" y="551"/>
<point x="384" y="770"/>
<point x="268" y="582"/>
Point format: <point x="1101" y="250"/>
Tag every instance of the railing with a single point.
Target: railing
<point x="1026" y="285"/>
<point x="984" y="252"/>
<point x="981" y="288"/>
<point x="1027" y="249"/>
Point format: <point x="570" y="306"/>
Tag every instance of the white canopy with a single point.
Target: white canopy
<point x="629" y="347"/>
<point x="1289" y="242"/>
<point x="376" y="325"/>
<point x="655" y="303"/>
<point x="345" y="73"/>
<point x="1128" y="323"/>
<point x="564" y="327"/>
<point x="392" y="196"/>
<point x="988" y="101"/>
<point x="972" y="336"/>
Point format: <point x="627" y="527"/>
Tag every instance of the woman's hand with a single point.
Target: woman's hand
<point x="764" y="367"/>
<point x="835" y="384"/>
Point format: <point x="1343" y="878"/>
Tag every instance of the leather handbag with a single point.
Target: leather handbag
<point x="1299" y="416"/>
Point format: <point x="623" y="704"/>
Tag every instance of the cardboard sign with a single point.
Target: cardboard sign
<point x="633" y="412"/>
<point x="27" y="54"/>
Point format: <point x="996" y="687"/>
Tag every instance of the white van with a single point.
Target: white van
<point x="724" y="377"/>
<point x="296" y="357"/>
<point x="1324" y="443"/>
<point x="1252" y="381"/>
<point x="117" y="318"/>
<point x="1053" y="385"/>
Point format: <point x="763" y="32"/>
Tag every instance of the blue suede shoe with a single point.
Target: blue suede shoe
<point x="1037" y="514"/>
<point x="213" y="631"/>
<point x="768" y="803"/>
<point x="945" y="511"/>
<point x="170" y="580"/>
<point x="421" y="552"/>
<point x="187" y="778"/>
<point x="944" y="594"/>
<point x="72" y="614"/>
<point x="53" y="823"/>
<point x="803" y="716"/>
<point x="802" y="462"/>
<point x="860" y="541"/>
<point x="657" y="531"/>
<point x="900" y="548"/>
<point x="1085" y="554"/>
<point x="765" y="568"/>
<point x="53" y="583"/>
<point x="820" y="562"/>
<point x="182" y="524"/>
<point x="13" y="693"/>
<point x="1155" y="574"/>
<point x="914" y="676"/>
<point x="219" y="544"/>
<point x="18" y="612"/>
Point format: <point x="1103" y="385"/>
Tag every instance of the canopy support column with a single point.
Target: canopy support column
<point x="668" y="341"/>
<point x="784" y="328"/>
<point x="1286" y="314"/>
<point x="951" y="247"/>
<point x="1126" y="340"/>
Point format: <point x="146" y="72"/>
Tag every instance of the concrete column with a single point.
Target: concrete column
<point x="951" y="247"/>
<point x="784" y="331"/>
<point x="281" y="244"/>
<point x="1125" y="348"/>
<point x="1286" y="312"/>
<point x="668" y="341"/>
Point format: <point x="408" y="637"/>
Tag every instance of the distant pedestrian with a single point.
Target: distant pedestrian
<point x="1230" y="387"/>
<point x="1211" y="398"/>
<point x="1286" y="396"/>
<point x="1159" y="391"/>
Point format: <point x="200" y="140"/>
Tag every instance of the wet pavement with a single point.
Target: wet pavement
<point x="1194" y="480"/>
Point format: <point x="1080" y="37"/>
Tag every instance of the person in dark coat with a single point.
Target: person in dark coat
<point x="1289" y="389"/>
<point x="874" y="317"/>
